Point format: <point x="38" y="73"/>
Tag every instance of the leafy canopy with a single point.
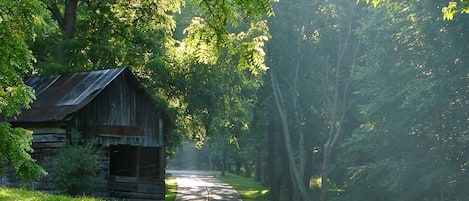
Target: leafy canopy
<point x="448" y="11"/>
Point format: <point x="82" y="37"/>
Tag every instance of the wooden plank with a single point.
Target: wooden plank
<point x="48" y="130"/>
<point x="135" y="180"/>
<point x="117" y="140"/>
<point x="123" y="179"/>
<point x="135" y="187"/>
<point x="150" y="188"/>
<point x="119" y="136"/>
<point x="119" y="186"/>
<point x="49" y="138"/>
<point x="48" y="144"/>
<point x="133" y="195"/>
<point x="120" y="131"/>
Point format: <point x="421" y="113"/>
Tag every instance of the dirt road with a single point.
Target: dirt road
<point x="202" y="186"/>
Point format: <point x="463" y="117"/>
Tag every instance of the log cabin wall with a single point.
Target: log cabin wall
<point x="47" y="143"/>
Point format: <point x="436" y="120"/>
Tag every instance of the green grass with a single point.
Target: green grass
<point x="14" y="194"/>
<point x="7" y="194"/>
<point x="171" y="188"/>
<point x="248" y="188"/>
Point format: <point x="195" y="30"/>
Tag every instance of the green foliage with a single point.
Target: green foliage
<point x="412" y="105"/>
<point x="453" y="8"/>
<point x="107" y="34"/>
<point x="447" y="11"/>
<point x="16" y="148"/>
<point x="77" y="168"/>
<point x="17" y="22"/>
<point x="375" y="2"/>
<point x="219" y="79"/>
<point x="223" y="14"/>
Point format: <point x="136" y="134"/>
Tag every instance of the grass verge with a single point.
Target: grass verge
<point x="14" y="194"/>
<point x="248" y="188"/>
<point x="171" y="188"/>
<point x="7" y="194"/>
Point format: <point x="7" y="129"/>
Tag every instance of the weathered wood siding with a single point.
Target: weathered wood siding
<point x="47" y="143"/>
<point x="121" y="105"/>
<point x="49" y="137"/>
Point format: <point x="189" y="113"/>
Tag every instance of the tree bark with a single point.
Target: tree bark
<point x="223" y="164"/>
<point x="66" y="20"/>
<point x="70" y="18"/>
<point x="271" y="163"/>
<point x="296" y="175"/>
<point x="238" y="166"/>
<point x="247" y="172"/>
<point x="258" y="169"/>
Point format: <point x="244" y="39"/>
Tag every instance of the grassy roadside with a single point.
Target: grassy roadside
<point x="13" y="194"/>
<point x="248" y="188"/>
<point x="171" y="188"/>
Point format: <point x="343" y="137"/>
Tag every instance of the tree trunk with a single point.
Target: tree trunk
<point x="337" y="105"/>
<point x="325" y="172"/>
<point x="67" y="20"/>
<point x="247" y="169"/>
<point x="308" y="165"/>
<point x="238" y="168"/>
<point x="70" y="18"/>
<point x="296" y="174"/>
<point x="271" y="163"/>
<point x="223" y="164"/>
<point x="257" y="170"/>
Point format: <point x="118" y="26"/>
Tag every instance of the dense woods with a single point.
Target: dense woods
<point x="372" y="100"/>
<point x="318" y="100"/>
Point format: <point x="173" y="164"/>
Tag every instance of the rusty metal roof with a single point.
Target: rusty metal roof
<point x="59" y="96"/>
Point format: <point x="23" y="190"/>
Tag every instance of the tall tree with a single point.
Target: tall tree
<point x="336" y="82"/>
<point x="17" y="22"/>
<point x="289" y="70"/>
<point x="414" y="87"/>
<point x="313" y="55"/>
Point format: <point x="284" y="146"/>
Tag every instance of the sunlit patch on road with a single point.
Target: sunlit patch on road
<point x="200" y="186"/>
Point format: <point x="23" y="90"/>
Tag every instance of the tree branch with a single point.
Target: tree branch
<point x="56" y="14"/>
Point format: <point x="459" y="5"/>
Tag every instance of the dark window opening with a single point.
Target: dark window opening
<point x="132" y="161"/>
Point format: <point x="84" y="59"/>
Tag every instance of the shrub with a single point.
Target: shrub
<point x="76" y="169"/>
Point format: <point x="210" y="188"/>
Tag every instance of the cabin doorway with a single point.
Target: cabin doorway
<point x="134" y="161"/>
<point x="135" y="172"/>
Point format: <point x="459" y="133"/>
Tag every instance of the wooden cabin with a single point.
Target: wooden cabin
<point x="110" y="105"/>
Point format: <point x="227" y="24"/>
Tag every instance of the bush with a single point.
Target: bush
<point x="77" y="168"/>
